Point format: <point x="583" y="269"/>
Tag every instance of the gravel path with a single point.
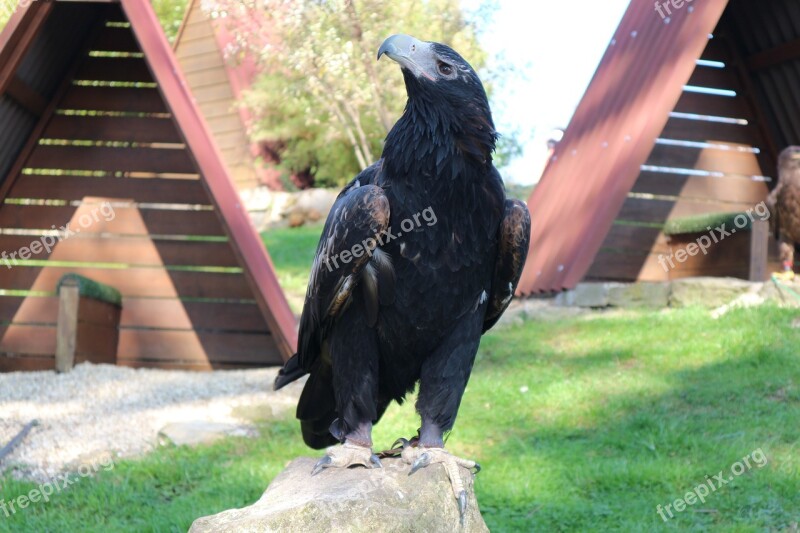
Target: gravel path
<point x="100" y="409"/>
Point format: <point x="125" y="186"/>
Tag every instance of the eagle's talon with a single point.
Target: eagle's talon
<point x="375" y="461"/>
<point x="398" y="446"/>
<point x="346" y="455"/>
<point x="422" y="457"/>
<point x="462" y="505"/>
<point x="402" y="442"/>
<point x="405" y="443"/>
<point x="321" y="465"/>
<point x="421" y="462"/>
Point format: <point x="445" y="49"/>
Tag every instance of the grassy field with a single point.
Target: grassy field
<point x="586" y="424"/>
<point x="292" y="250"/>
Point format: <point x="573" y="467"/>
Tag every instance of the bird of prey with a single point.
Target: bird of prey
<point x="784" y="207"/>
<point x="420" y="255"/>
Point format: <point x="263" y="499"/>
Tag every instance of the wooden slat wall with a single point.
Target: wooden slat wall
<point x="205" y="70"/>
<point x="186" y="303"/>
<point x="724" y="174"/>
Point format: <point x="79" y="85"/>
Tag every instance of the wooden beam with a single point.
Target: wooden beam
<point x="24" y="95"/>
<point x="759" y="244"/>
<point x="67" y="329"/>
<point x="778" y="55"/>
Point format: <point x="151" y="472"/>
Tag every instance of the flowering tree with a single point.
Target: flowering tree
<point x="321" y="91"/>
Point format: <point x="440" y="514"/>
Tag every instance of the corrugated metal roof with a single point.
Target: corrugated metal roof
<point x="50" y="54"/>
<point x="41" y="69"/>
<point x="14" y="120"/>
<point x="614" y="129"/>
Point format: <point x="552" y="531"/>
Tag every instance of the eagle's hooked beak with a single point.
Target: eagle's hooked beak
<point x="409" y="52"/>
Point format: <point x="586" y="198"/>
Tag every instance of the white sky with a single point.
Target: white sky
<point x="555" y="46"/>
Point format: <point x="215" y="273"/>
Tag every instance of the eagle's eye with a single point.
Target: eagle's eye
<point x="444" y="68"/>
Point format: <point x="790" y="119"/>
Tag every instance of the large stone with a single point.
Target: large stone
<point x="643" y="294"/>
<point x="565" y="299"/>
<point x="709" y="292"/>
<point x="591" y="295"/>
<point x="353" y="500"/>
<point x="588" y="294"/>
<point x="266" y="207"/>
<point x="549" y="309"/>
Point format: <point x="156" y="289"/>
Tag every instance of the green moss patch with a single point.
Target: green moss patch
<point x="701" y="223"/>
<point x="92" y="289"/>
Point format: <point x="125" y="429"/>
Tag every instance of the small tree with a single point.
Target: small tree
<point x="170" y="14"/>
<point x="322" y="92"/>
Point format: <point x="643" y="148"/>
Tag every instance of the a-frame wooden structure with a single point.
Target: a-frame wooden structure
<point x="683" y="120"/>
<point x="99" y="132"/>
<point x="218" y="84"/>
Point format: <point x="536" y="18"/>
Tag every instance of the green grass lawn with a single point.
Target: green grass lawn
<point x="292" y="251"/>
<point x="585" y="424"/>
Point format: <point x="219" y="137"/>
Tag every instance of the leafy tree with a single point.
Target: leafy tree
<point x="170" y="14"/>
<point x="322" y="92"/>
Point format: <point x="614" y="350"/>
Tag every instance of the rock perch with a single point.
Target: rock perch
<point x="353" y="500"/>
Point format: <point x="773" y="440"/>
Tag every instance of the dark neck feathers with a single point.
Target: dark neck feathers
<point x="443" y="134"/>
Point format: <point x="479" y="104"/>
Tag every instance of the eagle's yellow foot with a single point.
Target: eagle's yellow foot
<point x="419" y="457"/>
<point x="346" y="455"/>
<point x="786" y="275"/>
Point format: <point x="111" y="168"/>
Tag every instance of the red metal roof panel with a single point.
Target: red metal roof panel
<point x="636" y="86"/>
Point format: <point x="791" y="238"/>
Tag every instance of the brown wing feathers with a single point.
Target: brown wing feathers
<point x="514" y="235"/>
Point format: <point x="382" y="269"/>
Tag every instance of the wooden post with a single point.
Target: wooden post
<point x="67" y="330"/>
<point x="759" y="243"/>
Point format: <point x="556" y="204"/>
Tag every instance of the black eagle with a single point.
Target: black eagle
<point x="419" y="256"/>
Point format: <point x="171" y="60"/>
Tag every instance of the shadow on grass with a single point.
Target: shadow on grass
<point x="644" y="449"/>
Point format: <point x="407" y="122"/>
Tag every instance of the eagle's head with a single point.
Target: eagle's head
<point x="445" y="94"/>
<point x="428" y="65"/>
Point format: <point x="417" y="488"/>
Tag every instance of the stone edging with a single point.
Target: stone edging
<point x="705" y="292"/>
